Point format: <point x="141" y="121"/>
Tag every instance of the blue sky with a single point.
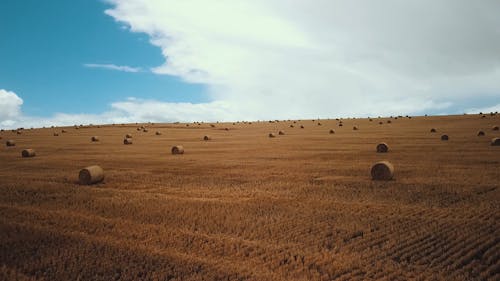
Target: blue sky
<point x="45" y="44"/>
<point x="115" y="61"/>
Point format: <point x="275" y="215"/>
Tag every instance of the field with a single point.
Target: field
<point x="244" y="206"/>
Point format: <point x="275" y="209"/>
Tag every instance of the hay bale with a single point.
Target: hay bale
<point x="495" y="142"/>
<point x="272" y="135"/>
<point x="389" y="121"/>
<point x="382" y="147"/>
<point x="319" y="124"/>
<point x="355" y="128"/>
<point x="480" y="134"/>
<point x="212" y="125"/>
<point x="444" y="137"/>
<point x="207" y="138"/>
<point x="332" y="131"/>
<point x="302" y="126"/>
<point x="127" y="141"/>
<point x="495" y="128"/>
<point x="138" y="129"/>
<point x="291" y="126"/>
<point x="91" y="175"/>
<point x="433" y="130"/>
<point x="28" y="153"/>
<point x="177" y="149"/>
<point x="94" y="138"/>
<point x="19" y="132"/>
<point x="158" y="133"/>
<point x="145" y="130"/>
<point x="380" y="123"/>
<point x="63" y="131"/>
<point x="340" y="124"/>
<point x="56" y="134"/>
<point x="10" y="143"/>
<point x="128" y="136"/>
<point x="281" y="133"/>
<point x="382" y="170"/>
<point x="227" y="129"/>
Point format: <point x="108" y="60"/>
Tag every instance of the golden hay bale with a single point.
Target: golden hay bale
<point x="302" y="126"/>
<point x="495" y="141"/>
<point x="56" y="134"/>
<point x="281" y="132"/>
<point x="19" y="132"/>
<point x="433" y="130"/>
<point x="340" y="124"/>
<point x="178" y="149"/>
<point x="28" y="153"/>
<point x="91" y="175"/>
<point x="63" y="131"/>
<point x="128" y="136"/>
<point x="480" y="134"/>
<point x="355" y="128"/>
<point x="10" y="143"/>
<point x="145" y="130"/>
<point x="158" y="133"/>
<point x="389" y="121"/>
<point x="94" y="138"/>
<point x="212" y="125"/>
<point x="332" y="131"/>
<point x="319" y="124"/>
<point x="382" y="147"/>
<point x="127" y="141"/>
<point x="138" y="129"/>
<point x="370" y="120"/>
<point x="227" y="129"/>
<point x="381" y="122"/>
<point x="382" y="170"/>
<point x="495" y="128"/>
<point x="444" y="137"/>
<point x="291" y="126"/>
<point x="272" y="135"/>
<point x="207" y="137"/>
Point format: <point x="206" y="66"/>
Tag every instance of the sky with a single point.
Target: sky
<point x="117" y="61"/>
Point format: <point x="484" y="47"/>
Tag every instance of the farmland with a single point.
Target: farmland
<point x="244" y="206"/>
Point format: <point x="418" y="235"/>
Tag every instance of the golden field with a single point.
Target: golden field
<point x="244" y="206"/>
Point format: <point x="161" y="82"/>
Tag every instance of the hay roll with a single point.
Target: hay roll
<point x="302" y="126"/>
<point x="94" y="138"/>
<point x="444" y="137"/>
<point x="495" y="142"/>
<point x="28" y="153"/>
<point x="382" y="170"/>
<point x="145" y="130"/>
<point x="128" y="136"/>
<point x="127" y="141"/>
<point x="495" y="128"/>
<point x="433" y="130"/>
<point x="340" y="124"/>
<point x="91" y="175"/>
<point x="355" y="128"/>
<point x="480" y="134"/>
<point x="272" y="135"/>
<point x="19" y="132"/>
<point x="158" y="133"/>
<point x="56" y="134"/>
<point x="10" y="143"/>
<point x="281" y="133"/>
<point x="207" y="138"/>
<point x="382" y="147"/>
<point x="332" y="131"/>
<point x="389" y="121"/>
<point x="178" y="149"/>
<point x="63" y="131"/>
<point x="380" y="123"/>
<point x="291" y="126"/>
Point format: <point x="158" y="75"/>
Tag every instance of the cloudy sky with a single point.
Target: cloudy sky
<point x="115" y="61"/>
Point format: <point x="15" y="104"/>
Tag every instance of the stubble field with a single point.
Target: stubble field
<point x="243" y="206"/>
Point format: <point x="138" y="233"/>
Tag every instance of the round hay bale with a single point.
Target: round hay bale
<point x="272" y="135"/>
<point x="128" y="136"/>
<point x="10" y="143"/>
<point x="332" y="131"/>
<point x="207" y="138"/>
<point x="145" y="130"/>
<point x="178" y="149"/>
<point x="94" y="138"/>
<point x="63" y="131"/>
<point x="382" y="147"/>
<point x="495" y="142"/>
<point x="56" y="134"/>
<point x="91" y="175"/>
<point x="370" y="120"/>
<point x="433" y="130"/>
<point x="138" y="129"/>
<point x="291" y="126"/>
<point x="28" y="153"/>
<point x="281" y="133"/>
<point x="212" y="125"/>
<point x="302" y="126"/>
<point x="382" y="170"/>
<point x="127" y="141"/>
<point x="444" y="137"/>
<point x="319" y="124"/>
<point x="355" y="128"/>
<point x="19" y="132"/>
<point x="340" y="124"/>
<point x="389" y="121"/>
<point x="480" y="134"/>
<point x="227" y="129"/>
<point x="495" y="128"/>
<point x="158" y="133"/>
<point x="380" y="123"/>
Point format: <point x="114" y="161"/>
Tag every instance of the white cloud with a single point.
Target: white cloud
<point x="113" y="67"/>
<point x="10" y="107"/>
<point x="271" y="59"/>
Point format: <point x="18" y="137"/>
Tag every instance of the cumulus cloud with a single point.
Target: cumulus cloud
<point x="283" y="59"/>
<point x="10" y="107"/>
<point x="113" y="67"/>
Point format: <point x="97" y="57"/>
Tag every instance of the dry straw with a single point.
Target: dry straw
<point x="28" y="153"/>
<point x="178" y="149"/>
<point x="91" y="175"/>
<point x="382" y="170"/>
<point x="382" y="147"/>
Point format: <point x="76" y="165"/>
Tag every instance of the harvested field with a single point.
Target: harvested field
<point x="246" y="207"/>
